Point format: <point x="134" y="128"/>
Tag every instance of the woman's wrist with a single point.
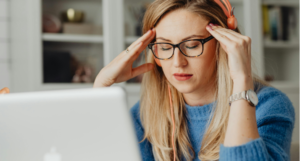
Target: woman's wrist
<point x="99" y="83"/>
<point x="242" y="85"/>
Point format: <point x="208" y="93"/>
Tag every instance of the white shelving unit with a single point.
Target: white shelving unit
<point x="282" y="57"/>
<point x="292" y="3"/>
<point x="113" y="16"/>
<point x="281" y="44"/>
<point x="72" y="38"/>
<point x="27" y="42"/>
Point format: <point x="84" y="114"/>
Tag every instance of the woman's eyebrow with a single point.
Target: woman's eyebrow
<point x="182" y="39"/>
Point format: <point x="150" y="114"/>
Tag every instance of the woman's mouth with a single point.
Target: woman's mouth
<point x="182" y="76"/>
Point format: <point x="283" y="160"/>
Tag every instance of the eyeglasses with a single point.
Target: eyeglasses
<point x="189" y="48"/>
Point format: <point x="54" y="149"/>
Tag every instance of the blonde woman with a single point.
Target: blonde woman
<point x="192" y="52"/>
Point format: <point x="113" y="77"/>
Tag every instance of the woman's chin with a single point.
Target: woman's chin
<point x="184" y="88"/>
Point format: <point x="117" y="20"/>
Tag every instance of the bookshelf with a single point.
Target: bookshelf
<point x="28" y="42"/>
<point x="281" y="56"/>
<point x="118" y="28"/>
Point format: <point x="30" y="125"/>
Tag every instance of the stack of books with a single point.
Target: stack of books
<point x="280" y="23"/>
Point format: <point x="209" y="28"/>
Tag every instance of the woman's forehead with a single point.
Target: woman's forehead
<point x="180" y="24"/>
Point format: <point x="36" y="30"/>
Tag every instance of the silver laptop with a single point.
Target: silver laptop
<point x="68" y="125"/>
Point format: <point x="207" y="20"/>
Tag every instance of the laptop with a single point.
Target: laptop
<point x="67" y="125"/>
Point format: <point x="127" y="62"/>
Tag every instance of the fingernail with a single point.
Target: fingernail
<point x="209" y="27"/>
<point x="211" y="24"/>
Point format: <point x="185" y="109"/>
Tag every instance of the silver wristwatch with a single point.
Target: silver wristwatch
<point x="248" y="95"/>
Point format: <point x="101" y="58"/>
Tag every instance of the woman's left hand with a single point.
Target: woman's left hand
<point x="238" y="48"/>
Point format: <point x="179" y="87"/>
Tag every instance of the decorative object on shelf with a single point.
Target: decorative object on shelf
<point x="58" y="66"/>
<point x="72" y="15"/>
<point x="63" y="67"/>
<point x="51" y="24"/>
<point x="279" y="23"/>
<point x="82" y="28"/>
<point x="73" y="23"/>
<point x="138" y="14"/>
<point x="83" y="74"/>
<point x="269" y="78"/>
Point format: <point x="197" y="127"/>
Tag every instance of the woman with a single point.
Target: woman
<point x="202" y="76"/>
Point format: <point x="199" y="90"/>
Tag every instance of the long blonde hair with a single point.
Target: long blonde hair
<point x="155" y="107"/>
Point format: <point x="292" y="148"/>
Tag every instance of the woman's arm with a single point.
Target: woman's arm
<point x="242" y="124"/>
<point x="249" y="137"/>
<point x="275" y="118"/>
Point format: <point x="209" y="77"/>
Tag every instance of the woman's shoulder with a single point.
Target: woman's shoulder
<point x="272" y="103"/>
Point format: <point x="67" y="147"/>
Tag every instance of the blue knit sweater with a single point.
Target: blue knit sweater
<point x="275" y="117"/>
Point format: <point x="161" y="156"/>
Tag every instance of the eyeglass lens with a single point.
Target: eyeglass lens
<point x="189" y="48"/>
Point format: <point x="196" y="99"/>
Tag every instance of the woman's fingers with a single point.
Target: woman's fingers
<point x="232" y="35"/>
<point x="4" y="90"/>
<point x="235" y="37"/>
<point x="136" y="50"/>
<point x="222" y="38"/>
<point x="142" y="69"/>
<point x="120" y="69"/>
<point x="227" y="33"/>
<point x="145" y="37"/>
<point x="146" y="43"/>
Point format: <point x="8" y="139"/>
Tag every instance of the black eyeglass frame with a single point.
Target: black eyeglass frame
<point x="203" y="41"/>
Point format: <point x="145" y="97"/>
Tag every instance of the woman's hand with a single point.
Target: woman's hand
<point x="120" y="69"/>
<point x="238" y="48"/>
<point x="5" y="90"/>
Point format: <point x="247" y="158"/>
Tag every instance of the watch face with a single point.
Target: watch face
<point x="253" y="97"/>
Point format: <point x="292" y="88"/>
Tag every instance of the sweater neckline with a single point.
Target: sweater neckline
<point x="199" y="112"/>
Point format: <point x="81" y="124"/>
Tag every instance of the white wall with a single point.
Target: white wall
<point x="4" y="44"/>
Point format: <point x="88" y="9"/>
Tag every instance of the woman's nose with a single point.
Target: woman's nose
<point x="179" y="60"/>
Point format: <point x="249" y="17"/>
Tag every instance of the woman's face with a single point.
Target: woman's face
<point x="175" y="27"/>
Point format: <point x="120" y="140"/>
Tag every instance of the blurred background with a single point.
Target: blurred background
<point x="63" y="44"/>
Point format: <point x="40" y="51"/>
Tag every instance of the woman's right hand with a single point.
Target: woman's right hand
<point x="120" y="69"/>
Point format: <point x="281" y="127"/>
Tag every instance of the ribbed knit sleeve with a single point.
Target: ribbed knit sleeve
<point x="275" y="118"/>
<point x="145" y="146"/>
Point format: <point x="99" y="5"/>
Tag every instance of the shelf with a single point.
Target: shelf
<point x="136" y="1"/>
<point x="236" y="1"/>
<point x="281" y="44"/>
<point x="293" y="3"/>
<point x="290" y="86"/>
<point x="131" y="88"/>
<point x="72" y="38"/>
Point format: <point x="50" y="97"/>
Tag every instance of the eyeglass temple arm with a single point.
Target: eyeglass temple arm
<point x="207" y="39"/>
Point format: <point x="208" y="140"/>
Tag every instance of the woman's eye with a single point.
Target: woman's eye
<point x="192" y="46"/>
<point x="165" y="48"/>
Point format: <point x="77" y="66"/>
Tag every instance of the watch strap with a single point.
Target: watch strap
<point x="237" y="96"/>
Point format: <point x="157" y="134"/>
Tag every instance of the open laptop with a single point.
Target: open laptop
<point x="67" y="125"/>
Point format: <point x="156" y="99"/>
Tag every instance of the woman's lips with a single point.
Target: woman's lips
<point x="182" y="77"/>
